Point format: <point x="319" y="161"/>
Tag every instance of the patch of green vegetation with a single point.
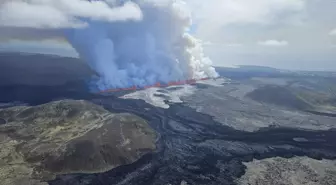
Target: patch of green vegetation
<point x="318" y="100"/>
<point x="68" y="136"/>
<point x="279" y="95"/>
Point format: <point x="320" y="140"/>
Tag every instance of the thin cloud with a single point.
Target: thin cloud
<point x="208" y="43"/>
<point x="234" y="45"/>
<point x="333" y="32"/>
<point x="212" y="15"/>
<point x="274" y="43"/>
<point x="243" y="11"/>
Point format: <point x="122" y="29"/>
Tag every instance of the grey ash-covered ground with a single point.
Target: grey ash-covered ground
<point x="296" y="171"/>
<point x="217" y="135"/>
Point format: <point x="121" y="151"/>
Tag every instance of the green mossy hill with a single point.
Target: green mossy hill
<point x="68" y="136"/>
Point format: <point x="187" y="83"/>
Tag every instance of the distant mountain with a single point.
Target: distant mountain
<point x="248" y="71"/>
<point x="257" y="68"/>
<point x="40" y="69"/>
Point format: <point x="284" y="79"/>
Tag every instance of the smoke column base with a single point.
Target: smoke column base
<point x="162" y="85"/>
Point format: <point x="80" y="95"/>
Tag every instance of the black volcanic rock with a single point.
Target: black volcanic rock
<point x="2" y="121"/>
<point x="68" y="136"/>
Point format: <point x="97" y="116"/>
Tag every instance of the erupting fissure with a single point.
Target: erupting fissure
<point x="173" y="83"/>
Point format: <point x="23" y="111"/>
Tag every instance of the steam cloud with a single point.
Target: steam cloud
<point x="138" y="42"/>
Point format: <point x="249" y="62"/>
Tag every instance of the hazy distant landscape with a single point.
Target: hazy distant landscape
<point x="35" y="69"/>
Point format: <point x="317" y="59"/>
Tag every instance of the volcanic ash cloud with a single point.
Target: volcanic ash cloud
<point x="139" y="42"/>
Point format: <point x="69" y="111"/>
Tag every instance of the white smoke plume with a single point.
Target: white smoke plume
<point x="138" y="42"/>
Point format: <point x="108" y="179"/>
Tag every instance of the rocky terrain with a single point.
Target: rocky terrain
<point x="293" y="171"/>
<point x="68" y="136"/>
<point x="314" y="95"/>
<point x="232" y="105"/>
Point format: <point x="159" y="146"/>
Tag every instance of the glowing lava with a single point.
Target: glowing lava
<point x="172" y="83"/>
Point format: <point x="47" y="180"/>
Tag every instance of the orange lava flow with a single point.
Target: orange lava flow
<point x="172" y="83"/>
